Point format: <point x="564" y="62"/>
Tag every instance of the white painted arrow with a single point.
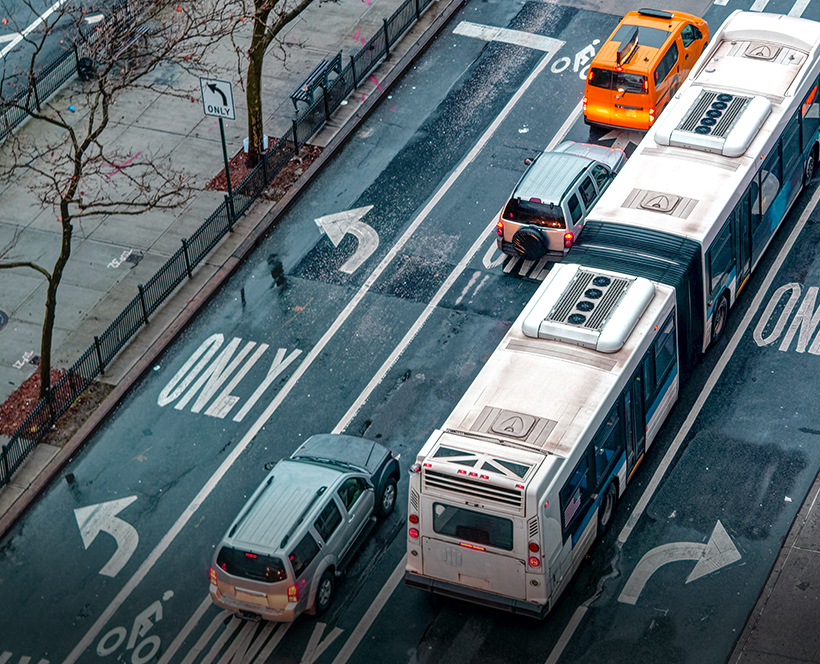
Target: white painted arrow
<point x="623" y="137"/>
<point x="718" y="552"/>
<point x="336" y="226"/>
<point x="103" y="517"/>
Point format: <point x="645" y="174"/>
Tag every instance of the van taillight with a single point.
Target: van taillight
<point x="585" y="99"/>
<point x="646" y="85"/>
<point x="414" y="533"/>
<point x="293" y="594"/>
<point x="651" y="115"/>
<point x="568" y="239"/>
<point x="213" y="576"/>
<point x="499" y="228"/>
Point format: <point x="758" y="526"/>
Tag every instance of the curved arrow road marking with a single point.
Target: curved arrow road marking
<point x="336" y="226"/>
<point x="103" y="517"/>
<point x="718" y="552"/>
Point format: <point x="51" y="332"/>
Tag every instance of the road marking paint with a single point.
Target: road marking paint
<point x="36" y="24"/>
<point x="515" y="37"/>
<point x="192" y="622"/>
<point x="314" y="353"/>
<point x="759" y="5"/>
<point x="799" y="7"/>
<point x="723" y="361"/>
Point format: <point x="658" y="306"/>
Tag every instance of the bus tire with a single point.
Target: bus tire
<point x="719" y="318"/>
<point x="530" y="244"/>
<point x="607" y="509"/>
<point x="808" y="169"/>
<point x="324" y="592"/>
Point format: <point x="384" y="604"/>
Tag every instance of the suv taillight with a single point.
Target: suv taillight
<point x="499" y="228"/>
<point x="293" y="594"/>
<point x="568" y="239"/>
<point x="212" y="574"/>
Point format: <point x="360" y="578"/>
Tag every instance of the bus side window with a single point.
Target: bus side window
<point x="721" y="258"/>
<point x="665" y="355"/>
<point x="790" y="143"/>
<point x="810" y="115"/>
<point x="769" y="179"/>
<point x="576" y="497"/>
<point x="608" y="444"/>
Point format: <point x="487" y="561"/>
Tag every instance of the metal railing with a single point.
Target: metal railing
<point x="181" y="264"/>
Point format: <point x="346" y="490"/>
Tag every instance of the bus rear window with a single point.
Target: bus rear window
<point x="256" y="567"/>
<point x="484" y="529"/>
<point x="528" y="212"/>
<point x="617" y="80"/>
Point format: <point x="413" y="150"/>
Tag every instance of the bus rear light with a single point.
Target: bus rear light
<point x="499" y="228"/>
<point x="212" y="574"/>
<point x="413" y="518"/>
<point x="519" y="486"/>
<point x="462" y="472"/>
<point x="293" y="594"/>
<point x="534" y="561"/>
<point x="569" y="238"/>
<point x="474" y="547"/>
<point x="533" y="546"/>
<point x="472" y="474"/>
<point x="415" y="468"/>
<point x="484" y="477"/>
<point x="414" y="533"/>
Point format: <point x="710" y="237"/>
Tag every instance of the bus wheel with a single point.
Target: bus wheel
<point x="719" y="318"/>
<point x="808" y="170"/>
<point x="607" y="508"/>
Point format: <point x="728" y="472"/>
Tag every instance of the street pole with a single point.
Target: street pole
<point x="225" y="156"/>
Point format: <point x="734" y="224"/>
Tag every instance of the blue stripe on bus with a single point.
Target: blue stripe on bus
<point x="592" y="508"/>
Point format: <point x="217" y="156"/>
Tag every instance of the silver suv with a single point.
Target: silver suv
<point x="301" y="527"/>
<point x="550" y="203"/>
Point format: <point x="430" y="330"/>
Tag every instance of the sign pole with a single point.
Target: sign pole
<point x="225" y="156"/>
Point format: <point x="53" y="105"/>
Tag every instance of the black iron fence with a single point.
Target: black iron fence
<point x="181" y="264"/>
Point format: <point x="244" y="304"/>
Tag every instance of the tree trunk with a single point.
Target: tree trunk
<point x="51" y="301"/>
<point x="253" y="90"/>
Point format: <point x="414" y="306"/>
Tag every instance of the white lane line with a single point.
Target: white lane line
<point x="698" y="406"/>
<point x="759" y="5"/>
<point x="193" y="620"/>
<point x="39" y="20"/>
<point x="421" y="320"/>
<point x="372" y="613"/>
<point x="721" y="2"/>
<point x="516" y="37"/>
<point x="798" y="8"/>
<point x="564" y="130"/>
<point x="315" y="352"/>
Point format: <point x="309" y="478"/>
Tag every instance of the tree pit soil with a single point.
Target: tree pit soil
<point x="281" y="183"/>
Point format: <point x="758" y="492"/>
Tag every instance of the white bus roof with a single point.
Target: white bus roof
<point x="686" y="172"/>
<point x="538" y="395"/>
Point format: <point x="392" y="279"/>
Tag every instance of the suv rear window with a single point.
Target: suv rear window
<point x="255" y="567"/>
<point x="615" y="80"/>
<point x="530" y="212"/>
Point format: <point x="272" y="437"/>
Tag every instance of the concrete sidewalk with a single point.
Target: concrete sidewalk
<point x="111" y="256"/>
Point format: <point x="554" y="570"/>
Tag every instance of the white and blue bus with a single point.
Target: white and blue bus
<point x="713" y="179"/>
<point x="508" y="495"/>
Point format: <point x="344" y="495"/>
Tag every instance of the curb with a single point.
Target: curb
<point x="214" y="284"/>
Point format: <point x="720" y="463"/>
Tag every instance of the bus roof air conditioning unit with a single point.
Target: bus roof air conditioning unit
<point x="590" y="309"/>
<point x="712" y="121"/>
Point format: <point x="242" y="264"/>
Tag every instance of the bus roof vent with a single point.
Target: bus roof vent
<point x="590" y="309"/>
<point x="713" y="121"/>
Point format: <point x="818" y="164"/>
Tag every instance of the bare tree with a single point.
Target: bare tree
<point x="126" y="46"/>
<point x="268" y="18"/>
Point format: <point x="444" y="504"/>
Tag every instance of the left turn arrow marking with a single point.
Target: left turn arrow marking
<point x="103" y="517"/>
<point x="336" y="226"/>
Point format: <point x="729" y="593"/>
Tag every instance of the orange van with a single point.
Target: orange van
<point x="641" y="66"/>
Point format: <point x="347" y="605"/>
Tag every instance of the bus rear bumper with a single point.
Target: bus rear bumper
<point x="474" y="596"/>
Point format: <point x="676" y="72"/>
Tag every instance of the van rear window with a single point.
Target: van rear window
<point x="529" y="212"/>
<point x="617" y="80"/>
<point x="652" y="37"/>
<point x="247" y="565"/>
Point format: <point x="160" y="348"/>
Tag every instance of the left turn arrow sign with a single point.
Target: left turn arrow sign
<point x="103" y="517"/>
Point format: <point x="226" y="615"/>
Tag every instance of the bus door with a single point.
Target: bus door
<point x="634" y="421"/>
<point x="742" y="234"/>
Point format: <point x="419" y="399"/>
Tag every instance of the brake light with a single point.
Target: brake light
<point x="474" y="547"/>
<point x="646" y="84"/>
<point x="414" y="533"/>
<point x="293" y="594"/>
<point x="533" y="547"/>
<point x="250" y="555"/>
<point x="499" y="228"/>
<point x="568" y="239"/>
<point x="212" y="574"/>
<point x="413" y="518"/>
<point x="534" y="562"/>
<point x="651" y="115"/>
<point x="584" y="100"/>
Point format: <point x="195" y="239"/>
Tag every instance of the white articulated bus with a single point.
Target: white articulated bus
<point x="713" y="179"/>
<point x="507" y="497"/>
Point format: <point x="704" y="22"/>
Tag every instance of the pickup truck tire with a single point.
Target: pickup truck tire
<point x="387" y="499"/>
<point x="530" y="244"/>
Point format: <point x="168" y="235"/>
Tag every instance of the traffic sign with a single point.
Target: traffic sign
<point x="217" y="98"/>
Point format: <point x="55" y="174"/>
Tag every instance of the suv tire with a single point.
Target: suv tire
<point x="387" y="499"/>
<point x="324" y="592"/>
<point x="530" y="244"/>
